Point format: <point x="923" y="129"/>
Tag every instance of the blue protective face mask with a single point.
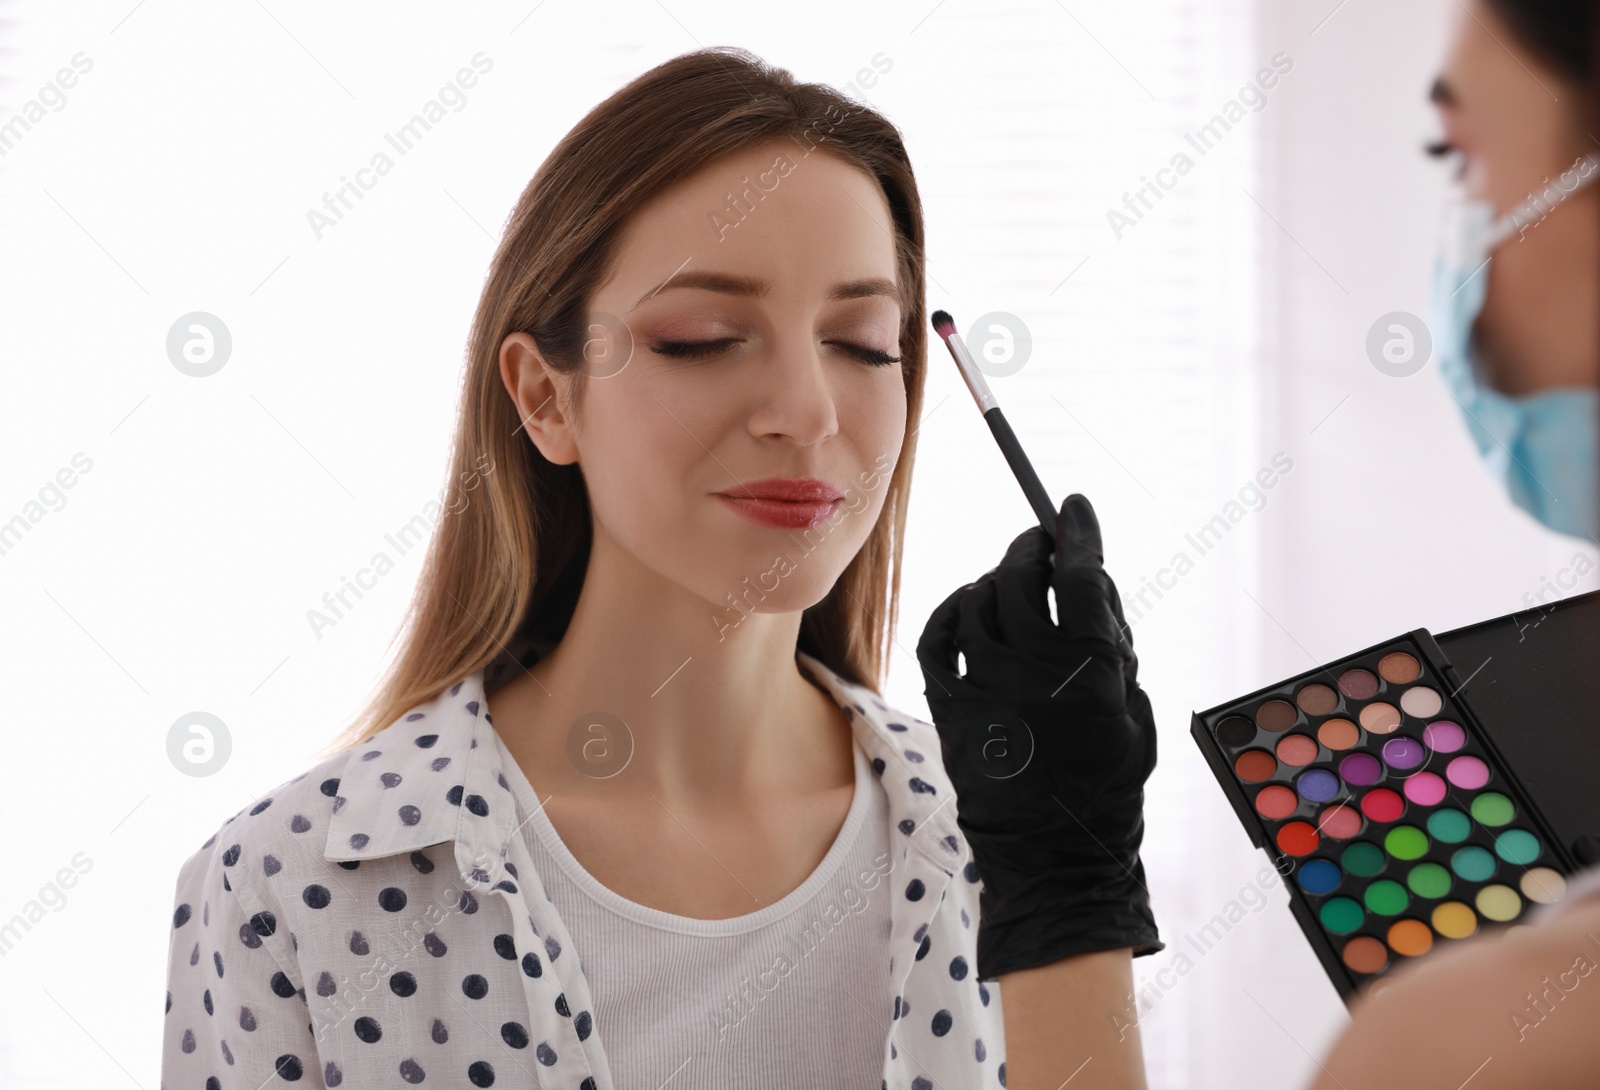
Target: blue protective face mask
<point x="1542" y="447"/>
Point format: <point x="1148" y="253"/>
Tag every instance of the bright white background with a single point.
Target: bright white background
<point x="1169" y="366"/>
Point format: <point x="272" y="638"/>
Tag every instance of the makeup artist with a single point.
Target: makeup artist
<point x="1518" y="342"/>
<point x="1515" y="291"/>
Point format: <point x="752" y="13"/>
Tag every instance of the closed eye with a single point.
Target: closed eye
<point x="691" y="349"/>
<point x="706" y="349"/>
<point x="870" y="355"/>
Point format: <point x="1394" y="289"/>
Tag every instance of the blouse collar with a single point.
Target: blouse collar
<point x="435" y="774"/>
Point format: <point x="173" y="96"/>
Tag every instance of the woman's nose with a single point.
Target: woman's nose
<point x="796" y="397"/>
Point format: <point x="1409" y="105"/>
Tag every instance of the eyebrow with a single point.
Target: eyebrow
<point x="751" y="286"/>
<point x="1441" y="93"/>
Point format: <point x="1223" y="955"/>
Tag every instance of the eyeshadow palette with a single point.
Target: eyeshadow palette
<point x="1396" y="820"/>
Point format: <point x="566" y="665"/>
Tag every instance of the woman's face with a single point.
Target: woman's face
<point x="1511" y="117"/>
<point x="735" y="343"/>
<point x="1516" y="124"/>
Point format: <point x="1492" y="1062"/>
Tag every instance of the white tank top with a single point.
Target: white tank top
<point x="794" y="995"/>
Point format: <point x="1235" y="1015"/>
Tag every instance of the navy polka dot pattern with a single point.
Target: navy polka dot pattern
<point x="377" y="922"/>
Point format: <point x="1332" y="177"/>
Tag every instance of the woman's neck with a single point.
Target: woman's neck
<point x="716" y="708"/>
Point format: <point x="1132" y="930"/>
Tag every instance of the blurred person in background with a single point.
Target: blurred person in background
<point x="1514" y="315"/>
<point x="1518" y="343"/>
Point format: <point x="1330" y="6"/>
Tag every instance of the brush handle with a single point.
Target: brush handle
<point x="1031" y="486"/>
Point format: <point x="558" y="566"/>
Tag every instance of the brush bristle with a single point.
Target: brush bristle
<point x="943" y="324"/>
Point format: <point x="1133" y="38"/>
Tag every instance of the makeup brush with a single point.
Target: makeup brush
<point x="945" y="326"/>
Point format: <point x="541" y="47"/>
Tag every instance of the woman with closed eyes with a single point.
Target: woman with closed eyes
<point x="629" y="809"/>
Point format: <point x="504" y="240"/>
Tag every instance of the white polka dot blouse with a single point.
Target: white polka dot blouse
<point x="377" y="921"/>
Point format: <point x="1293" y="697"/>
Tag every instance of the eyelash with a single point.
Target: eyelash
<point x="702" y="349"/>
<point x="1440" y="149"/>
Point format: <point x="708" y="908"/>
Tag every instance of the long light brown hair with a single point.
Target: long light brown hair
<point x="504" y="566"/>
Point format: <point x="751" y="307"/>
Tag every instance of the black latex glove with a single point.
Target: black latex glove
<point x="1048" y="740"/>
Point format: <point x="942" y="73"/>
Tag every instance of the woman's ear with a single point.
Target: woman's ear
<point x="539" y="392"/>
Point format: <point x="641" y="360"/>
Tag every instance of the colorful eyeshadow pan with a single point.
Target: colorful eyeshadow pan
<point x="1298" y="838"/>
<point x="1403" y="830"/>
<point x="1449" y="826"/>
<point x="1236" y="731"/>
<point x="1318" y="785"/>
<point x="1406" y="842"/>
<point x="1429" y="880"/>
<point x="1276" y="802"/>
<point x="1339" y="822"/>
<point x="1317" y="699"/>
<point x="1404" y="753"/>
<point x="1467" y="772"/>
<point x="1276" y="715"/>
<point x="1421" y="701"/>
<point x="1360" y="769"/>
<point x="1399" y="668"/>
<point x="1410" y="938"/>
<point x="1517" y="846"/>
<point x="1358" y="684"/>
<point x="1363" y="860"/>
<point x="1255" y="766"/>
<point x="1380" y="718"/>
<point x="1387" y="897"/>
<point x="1425" y="789"/>
<point x="1541" y="885"/>
<point x="1454" y="920"/>
<point x="1365" y="954"/>
<point x="1341" y="915"/>
<point x="1498" y="903"/>
<point x="1297" y="750"/>
<point x="1338" y="734"/>
<point x="1320" y="876"/>
<point x="1493" y="808"/>
<point x="1473" y="863"/>
<point x="1382" y="805"/>
<point x="1443" y="736"/>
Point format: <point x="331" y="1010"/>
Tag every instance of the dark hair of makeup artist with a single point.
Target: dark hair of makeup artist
<point x="1561" y="33"/>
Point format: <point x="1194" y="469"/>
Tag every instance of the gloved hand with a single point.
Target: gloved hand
<point x="1048" y="740"/>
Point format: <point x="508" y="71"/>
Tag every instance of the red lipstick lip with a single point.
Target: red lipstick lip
<point x="784" y="502"/>
<point x="786" y="489"/>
